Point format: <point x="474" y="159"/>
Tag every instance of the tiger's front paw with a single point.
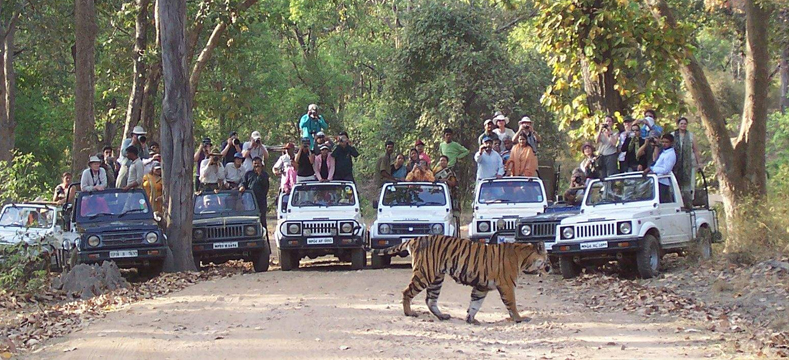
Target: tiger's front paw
<point x="443" y="317"/>
<point x="472" y="321"/>
<point x="519" y="319"/>
<point x="411" y="314"/>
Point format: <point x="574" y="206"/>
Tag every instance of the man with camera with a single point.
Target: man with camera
<point x="421" y="173"/>
<point x="201" y="154"/>
<point x="234" y="171"/>
<point x="304" y="162"/>
<point x="254" y="148"/>
<point x="343" y="157"/>
<point x="230" y="147"/>
<point x="319" y="141"/>
<point x="607" y="145"/>
<point x="312" y="123"/>
<point x="525" y="126"/>
<point x="212" y="173"/>
<point x="489" y="163"/>
<point x="137" y="140"/>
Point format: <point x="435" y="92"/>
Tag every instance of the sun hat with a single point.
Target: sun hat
<point x="138" y="130"/>
<point x="500" y="117"/>
<point x="255" y="135"/>
<point x="94" y="159"/>
<point x="215" y="152"/>
<point x="524" y="119"/>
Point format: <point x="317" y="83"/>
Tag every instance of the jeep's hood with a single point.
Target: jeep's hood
<point x="13" y="235"/>
<point x="611" y="214"/>
<point x="119" y="225"/>
<point x="225" y="220"/>
<point x="556" y="216"/>
<point x="413" y="214"/>
<point x="498" y="211"/>
<point x="332" y="213"/>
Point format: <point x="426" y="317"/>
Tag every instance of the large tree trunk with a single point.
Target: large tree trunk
<point x="7" y="90"/>
<point x="134" y="109"/>
<point x="600" y="93"/>
<point x="785" y="78"/>
<point x="177" y="139"/>
<point x="740" y="166"/>
<point x="148" y="115"/>
<point x="84" y="121"/>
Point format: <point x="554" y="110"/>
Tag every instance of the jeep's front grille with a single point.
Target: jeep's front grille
<point x="321" y="227"/>
<point x="595" y="230"/>
<point x="122" y="239"/>
<point x="409" y="229"/>
<point x="546" y="229"/>
<point x="224" y="232"/>
<point x="509" y="224"/>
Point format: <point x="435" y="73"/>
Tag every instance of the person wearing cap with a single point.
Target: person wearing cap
<point x="420" y="149"/>
<point x="489" y="164"/>
<point x="320" y="140"/>
<point x="452" y="149"/>
<point x="324" y="165"/>
<point x="252" y="149"/>
<point x="136" y="140"/>
<point x="589" y="164"/>
<point x="135" y="171"/>
<point x="607" y="140"/>
<point x="94" y="178"/>
<point x="257" y="181"/>
<point x="343" y="155"/>
<point x="501" y="127"/>
<point x="506" y="148"/>
<point x="230" y="148"/>
<point x="305" y="171"/>
<point x="522" y="160"/>
<point x="152" y="183"/>
<point x="488" y="124"/>
<point x="234" y="171"/>
<point x="532" y="137"/>
<point x="312" y="123"/>
<point x="420" y="172"/>
<point x="212" y="173"/>
<point x="148" y="163"/>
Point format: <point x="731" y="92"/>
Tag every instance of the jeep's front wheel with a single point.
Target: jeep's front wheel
<point x="358" y="259"/>
<point x="380" y="261"/>
<point x="648" y="258"/>
<point x="568" y="267"/>
<point x="260" y="259"/>
<point x="288" y="260"/>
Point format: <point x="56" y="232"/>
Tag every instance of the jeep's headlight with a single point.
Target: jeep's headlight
<point x="568" y="232"/>
<point x="250" y="230"/>
<point x="93" y="240"/>
<point x="198" y="234"/>
<point x="294" y="229"/>
<point x="483" y="226"/>
<point x="346" y="228"/>
<point x="625" y="228"/>
<point x="437" y="229"/>
<point x="384" y="228"/>
<point x="151" y="237"/>
<point x="526" y="230"/>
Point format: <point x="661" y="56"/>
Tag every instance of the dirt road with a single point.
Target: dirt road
<point x="326" y="311"/>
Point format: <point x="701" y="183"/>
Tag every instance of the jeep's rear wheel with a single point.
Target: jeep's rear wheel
<point x="380" y="261"/>
<point x="568" y="267"/>
<point x="648" y="258"/>
<point x="288" y="260"/>
<point x="260" y="259"/>
<point x="704" y="244"/>
<point x="358" y="259"/>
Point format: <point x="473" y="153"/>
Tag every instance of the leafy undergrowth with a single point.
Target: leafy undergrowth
<point x="746" y="305"/>
<point x="28" y="320"/>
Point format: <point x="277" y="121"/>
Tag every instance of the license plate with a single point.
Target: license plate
<point x="594" y="245"/>
<point x="506" y="239"/>
<point x="226" y="245"/>
<point x="405" y="239"/>
<point x="123" y="253"/>
<point x="319" y="241"/>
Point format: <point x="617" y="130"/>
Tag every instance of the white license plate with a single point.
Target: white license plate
<point x="226" y="245"/>
<point x="123" y="253"/>
<point x="594" y="245"/>
<point x="506" y="239"/>
<point x="319" y="241"/>
<point x="405" y="239"/>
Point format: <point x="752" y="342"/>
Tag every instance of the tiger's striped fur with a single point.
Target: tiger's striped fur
<point x="484" y="267"/>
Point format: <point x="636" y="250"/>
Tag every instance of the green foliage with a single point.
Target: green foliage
<point x="23" y="269"/>
<point x="23" y="178"/>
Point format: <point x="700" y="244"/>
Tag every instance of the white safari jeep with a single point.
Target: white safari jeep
<point x="321" y="218"/>
<point x="35" y="223"/>
<point x="633" y="219"/>
<point x="411" y="209"/>
<point x="498" y="203"/>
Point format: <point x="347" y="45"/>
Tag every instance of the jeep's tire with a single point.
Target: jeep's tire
<point x="380" y="261"/>
<point x="260" y="259"/>
<point x="358" y="259"/>
<point x="648" y="258"/>
<point x="568" y="267"/>
<point x="288" y="260"/>
<point x="704" y="244"/>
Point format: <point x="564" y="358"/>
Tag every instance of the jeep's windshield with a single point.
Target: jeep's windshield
<point x="92" y="206"/>
<point x="27" y="217"/>
<point x="322" y="195"/>
<point x="224" y="202"/>
<point x="621" y="191"/>
<point x="414" y="195"/>
<point x="513" y="191"/>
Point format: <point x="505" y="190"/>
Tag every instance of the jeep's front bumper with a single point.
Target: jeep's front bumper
<point x="597" y="248"/>
<point x="228" y="248"/>
<point x="321" y="242"/>
<point x="145" y="256"/>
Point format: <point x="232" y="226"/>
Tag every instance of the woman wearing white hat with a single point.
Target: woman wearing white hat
<point x="94" y="178"/>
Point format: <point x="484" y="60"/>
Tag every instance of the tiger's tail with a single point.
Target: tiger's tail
<point x="394" y="250"/>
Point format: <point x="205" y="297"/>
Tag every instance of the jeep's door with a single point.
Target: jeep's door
<point x="674" y="222"/>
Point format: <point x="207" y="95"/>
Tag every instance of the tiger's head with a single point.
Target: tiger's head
<point x="531" y="258"/>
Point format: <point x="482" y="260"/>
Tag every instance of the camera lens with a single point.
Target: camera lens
<point x="142" y="138"/>
<point x="236" y="142"/>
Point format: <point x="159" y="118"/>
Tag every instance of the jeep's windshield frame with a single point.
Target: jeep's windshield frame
<point x="514" y="191"/>
<point x="210" y="204"/>
<point x="620" y="191"/>
<point x="112" y="204"/>
<point x="322" y="195"/>
<point x="405" y="194"/>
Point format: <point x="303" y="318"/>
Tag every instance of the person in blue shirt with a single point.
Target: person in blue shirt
<point x="312" y="123"/>
<point x="489" y="163"/>
<point x="664" y="165"/>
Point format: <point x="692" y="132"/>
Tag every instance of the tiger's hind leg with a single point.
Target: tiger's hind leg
<point x="477" y="296"/>
<point x="508" y="298"/>
<point x="416" y="286"/>
<point x="433" y="290"/>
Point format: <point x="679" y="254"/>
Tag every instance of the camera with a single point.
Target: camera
<point x="236" y="142"/>
<point x="605" y="126"/>
<point x="258" y="141"/>
<point x="142" y="138"/>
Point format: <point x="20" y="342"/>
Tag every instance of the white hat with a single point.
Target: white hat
<point x="325" y="147"/>
<point x="488" y="121"/>
<point x="94" y="159"/>
<point x="157" y="165"/>
<point x="138" y="130"/>
<point x="524" y="119"/>
<point x="255" y="135"/>
<point x="500" y="117"/>
<point x="312" y="107"/>
<point x="320" y="133"/>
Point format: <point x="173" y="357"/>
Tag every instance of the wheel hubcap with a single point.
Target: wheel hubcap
<point x="653" y="259"/>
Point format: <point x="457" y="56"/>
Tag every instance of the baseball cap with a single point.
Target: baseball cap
<point x="233" y="133"/>
<point x="418" y="142"/>
<point x="94" y="159"/>
<point x="255" y="135"/>
<point x="157" y="165"/>
<point x="238" y="156"/>
<point x="206" y="141"/>
<point x="288" y="146"/>
<point x="525" y="119"/>
<point x="486" y="139"/>
<point x="320" y="133"/>
<point x="488" y="121"/>
<point x="325" y="147"/>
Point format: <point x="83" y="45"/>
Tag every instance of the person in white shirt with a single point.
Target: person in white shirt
<point x="212" y="173"/>
<point x="234" y="171"/>
<point x="501" y="127"/>
<point x="252" y="149"/>
<point x="489" y="163"/>
<point x="136" y="170"/>
<point x="94" y="178"/>
<point x="664" y="166"/>
<point x="607" y="139"/>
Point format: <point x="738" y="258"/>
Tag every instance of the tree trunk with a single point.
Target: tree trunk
<point x="7" y="90"/>
<point x="147" y="115"/>
<point x="600" y="93"/>
<point x="84" y="121"/>
<point x="785" y="78"/>
<point x="134" y="108"/>
<point x="740" y="166"/>
<point x="177" y="139"/>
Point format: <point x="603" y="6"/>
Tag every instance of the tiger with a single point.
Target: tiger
<point x="481" y="266"/>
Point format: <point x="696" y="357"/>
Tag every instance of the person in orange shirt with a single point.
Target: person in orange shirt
<point x="420" y="173"/>
<point x="152" y="183"/>
<point x="523" y="160"/>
